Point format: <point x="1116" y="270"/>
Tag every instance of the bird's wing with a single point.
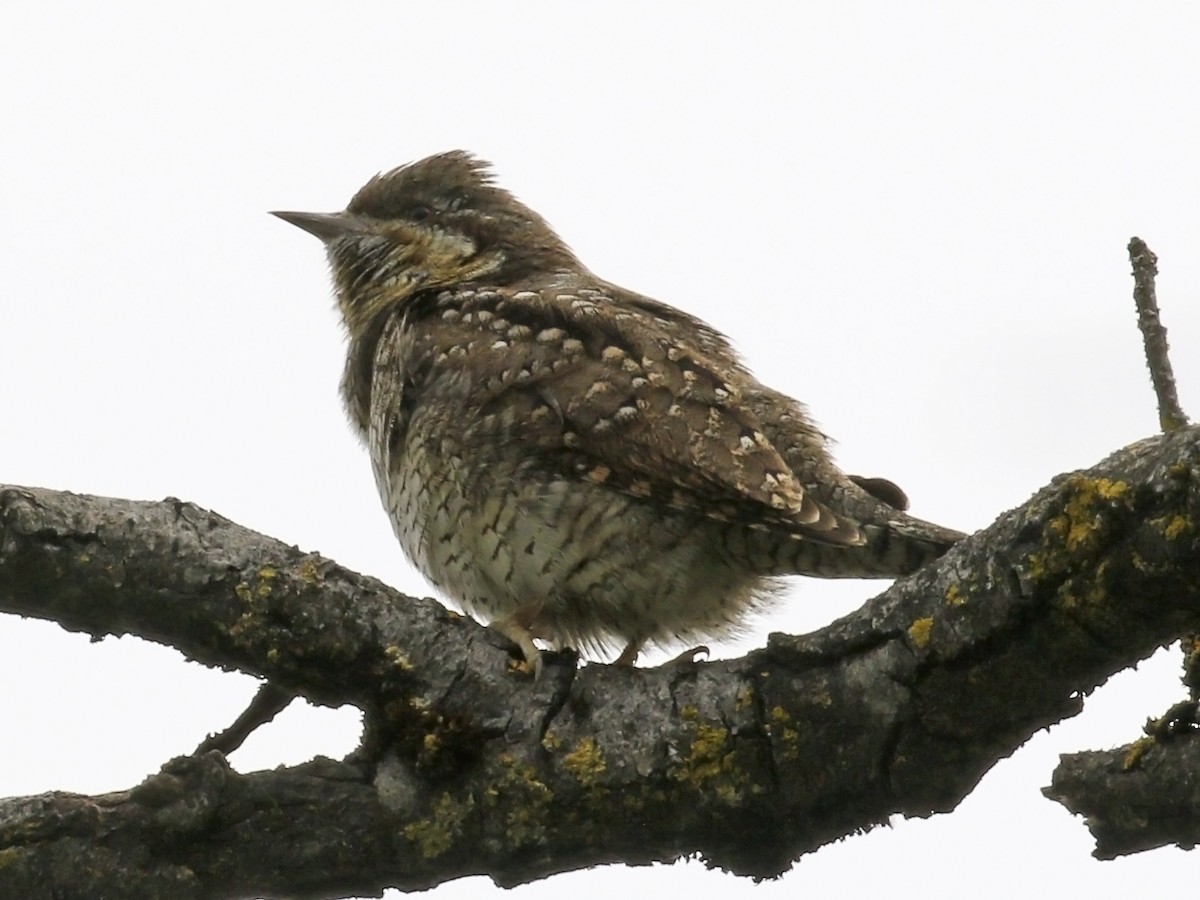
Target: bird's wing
<point x="645" y="411"/>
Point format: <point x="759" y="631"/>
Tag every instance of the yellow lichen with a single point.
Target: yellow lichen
<point x="585" y="762"/>
<point x="1079" y="519"/>
<point x="955" y="596"/>
<point x="1175" y="526"/>
<point x="399" y="659"/>
<point x="551" y="742"/>
<point x="1078" y="524"/>
<point x="309" y="573"/>
<point x="920" y="631"/>
<point x="1111" y="490"/>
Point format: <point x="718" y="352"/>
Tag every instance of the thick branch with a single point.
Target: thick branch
<point x="471" y="767"/>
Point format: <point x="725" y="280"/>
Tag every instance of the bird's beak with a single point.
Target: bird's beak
<point x="326" y="226"/>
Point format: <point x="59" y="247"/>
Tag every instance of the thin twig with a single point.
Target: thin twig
<point x="1145" y="267"/>
<point x="267" y="703"/>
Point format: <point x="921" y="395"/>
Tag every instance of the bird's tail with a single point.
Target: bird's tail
<point x="897" y="547"/>
<point x="894" y="543"/>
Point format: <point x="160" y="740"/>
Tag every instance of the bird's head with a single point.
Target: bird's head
<point x="434" y="223"/>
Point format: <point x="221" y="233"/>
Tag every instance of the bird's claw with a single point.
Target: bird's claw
<point x="688" y="657"/>
<point x="531" y="656"/>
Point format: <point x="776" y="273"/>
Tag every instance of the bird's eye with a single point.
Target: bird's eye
<point x="420" y="213"/>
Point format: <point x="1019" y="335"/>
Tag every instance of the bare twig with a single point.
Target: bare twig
<point x="1145" y="267"/>
<point x="269" y="702"/>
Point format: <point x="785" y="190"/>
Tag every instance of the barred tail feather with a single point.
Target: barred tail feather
<point x="898" y="548"/>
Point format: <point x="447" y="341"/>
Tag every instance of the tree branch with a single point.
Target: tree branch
<point x="1154" y="335"/>
<point x="1135" y="798"/>
<point x="471" y="767"/>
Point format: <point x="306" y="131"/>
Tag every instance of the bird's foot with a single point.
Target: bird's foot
<point x="517" y="629"/>
<point x="629" y="655"/>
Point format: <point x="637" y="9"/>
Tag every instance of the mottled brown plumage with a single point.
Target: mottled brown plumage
<point x="568" y="459"/>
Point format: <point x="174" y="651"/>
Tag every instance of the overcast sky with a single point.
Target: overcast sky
<point x="912" y="217"/>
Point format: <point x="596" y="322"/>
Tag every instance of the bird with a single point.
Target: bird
<point x="568" y="460"/>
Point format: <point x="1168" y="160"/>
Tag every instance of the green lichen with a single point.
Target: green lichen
<point x="1095" y="593"/>
<point x="250" y="620"/>
<point x="788" y="736"/>
<point x="710" y="765"/>
<point x="524" y="801"/>
<point x="258" y="588"/>
<point x="586" y="762"/>
<point x="266" y="575"/>
<point x="437" y="833"/>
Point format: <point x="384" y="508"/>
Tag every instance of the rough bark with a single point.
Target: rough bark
<point x="1139" y="797"/>
<point x="469" y="766"/>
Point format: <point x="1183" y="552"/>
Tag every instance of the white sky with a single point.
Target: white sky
<point x="911" y="216"/>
